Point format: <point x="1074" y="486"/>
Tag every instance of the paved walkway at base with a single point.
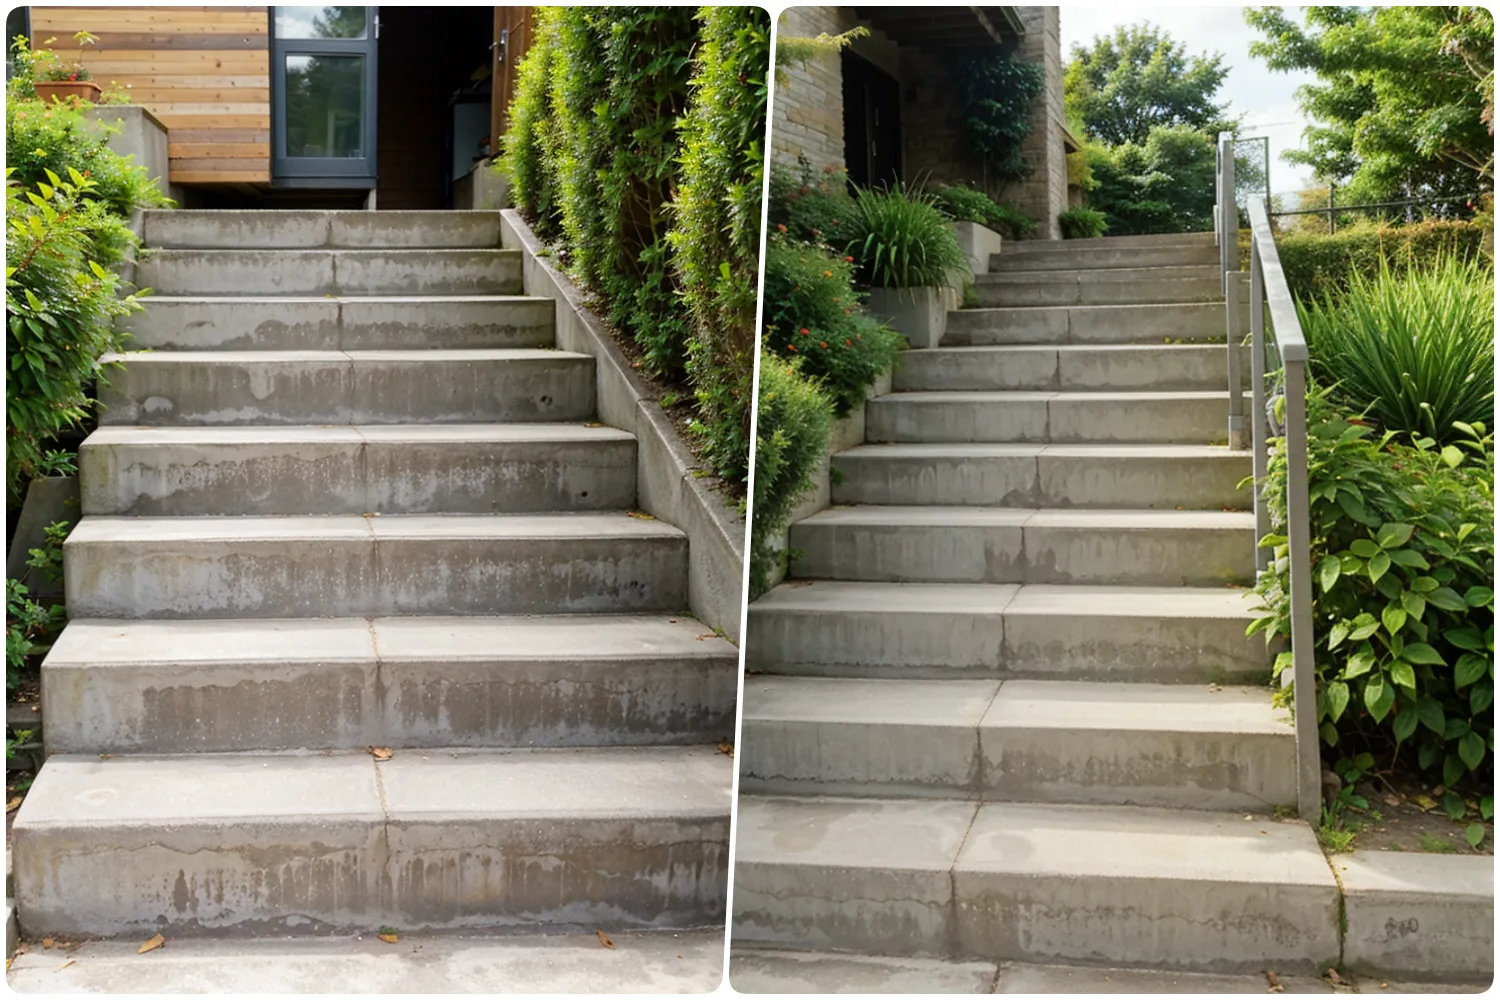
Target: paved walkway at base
<point x="659" y="962"/>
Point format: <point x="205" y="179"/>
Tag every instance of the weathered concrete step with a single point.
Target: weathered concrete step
<point x="1429" y="915"/>
<point x="1102" y="286"/>
<point x="206" y="844"/>
<point x="1066" y="257"/>
<point x="1044" y="475"/>
<point x="331" y="272"/>
<point x="1119" y="367"/>
<point x="1179" y="635"/>
<point x="1170" y="745"/>
<point x="1018" y="416"/>
<point x="351" y="566"/>
<point x="300" y="229"/>
<point x="1176" y="889"/>
<point x="1153" y="323"/>
<point x="341" y="323"/>
<point x="1200" y="240"/>
<point x="1150" y="548"/>
<point x="393" y="468"/>
<point x="118" y="686"/>
<point x="177" y="388"/>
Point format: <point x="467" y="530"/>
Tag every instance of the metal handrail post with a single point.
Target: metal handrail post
<point x="1259" y="419"/>
<point x="1233" y="339"/>
<point x="1299" y="556"/>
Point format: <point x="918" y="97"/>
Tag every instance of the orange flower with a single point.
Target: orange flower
<point x="781" y="227"/>
<point x="827" y="274"/>
<point x="823" y="344"/>
<point x="849" y="260"/>
<point x="803" y="331"/>
<point x="848" y="342"/>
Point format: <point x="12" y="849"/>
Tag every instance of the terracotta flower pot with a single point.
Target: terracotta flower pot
<point x="61" y="90"/>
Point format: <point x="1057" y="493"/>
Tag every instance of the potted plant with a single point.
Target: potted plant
<point x="56" y="80"/>
<point x="906" y="254"/>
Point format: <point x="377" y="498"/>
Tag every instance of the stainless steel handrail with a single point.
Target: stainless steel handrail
<point x="1268" y="289"/>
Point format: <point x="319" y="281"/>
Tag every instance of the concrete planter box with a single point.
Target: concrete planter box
<point x="48" y="500"/>
<point x="919" y="313"/>
<point x="141" y="135"/>
<point x="977" y="242"/>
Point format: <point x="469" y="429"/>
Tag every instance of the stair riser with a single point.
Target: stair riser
<point x="1186" y="368"/>
<point x="1024" y="481"/>
<point x="1043" y="292"/>
<point x="1034" y="554"/>
<point x="350" y="477"/>
<point x="890" y="643"/>
<point x="1203" y="241"/>
<point x="1232" y="771"/>
<point x="332" y="272"/>
<point x="899" y="418"/>
<point x="369" y="391"/>
<point x="355" y="576"/>
<point x="300" y="230"/>
<point x="505" y="702"/>
<point x="355" y="875"/>
<point x="340" y="325"/>
<point x="1142" y="324"/>
<point x="1069" y="259"/>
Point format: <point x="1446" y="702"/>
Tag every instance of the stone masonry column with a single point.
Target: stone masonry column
<point x="1045" y="193"/>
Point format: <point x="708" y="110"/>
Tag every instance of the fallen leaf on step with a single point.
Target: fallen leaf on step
<point x="155" y="943"/>
<point x="1385" y="986"/>
<point x="593" y="423"/>
<point x="1333" y="977"/>
<point x="604" y="939"/>
<point x="380" y="753"/>
<point x="641" y="515"/>
<point x="726" y="748"/>
<point x="65" y="965"/>
<point x="105" y="756"/>
<point x="13" y="804"/>
<point x="48" y="942"/>
<point x="389" y="938"/>
<point x="672" y="620"/>
<point x="1426" y="804"/>
<point x="708" y="635"/>
<point x="1275" y="982"/>
<point x="1214" y="689"/>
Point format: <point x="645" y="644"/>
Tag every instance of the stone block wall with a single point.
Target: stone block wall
<point x="1045" y="193"/>
<point x="807" y="117"/>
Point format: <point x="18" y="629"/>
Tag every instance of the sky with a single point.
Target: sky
<point x="1267" y="100"/>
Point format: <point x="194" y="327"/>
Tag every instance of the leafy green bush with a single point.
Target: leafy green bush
<point x="1163" y="185"/>
<point x="813" y="210"/>
<point x="528" y="141"/>
<point x="41" y="137"/>
<point x="1082" y="223"/>
<point x="1319" y="264"/>
<point x="793" y="420"/>
<point x="716" y="239"/>
<point x="901" y="240"/>
<point x="964" y="204"/>
<point x="1403" y="555"/>
<point x="1416" y="349"/>
<point x="813" y="314"/>
<point x="995" y="94"/>
<point x="61" y="299"/>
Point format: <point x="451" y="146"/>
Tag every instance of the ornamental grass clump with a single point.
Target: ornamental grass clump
<point x="900" y="239"/>
<point x="1414" y="348"/>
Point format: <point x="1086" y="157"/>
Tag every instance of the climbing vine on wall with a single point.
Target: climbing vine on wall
<point x="995" y="95"/>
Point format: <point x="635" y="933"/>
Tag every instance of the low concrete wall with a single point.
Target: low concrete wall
<point x="977" y="243"/>
<point x="482" y="187"/>
<point x="668" y="486"/>
<point x="142" y="136"/>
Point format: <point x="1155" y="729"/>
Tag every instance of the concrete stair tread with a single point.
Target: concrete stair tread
<point x="1016" y="705"/>
<point x="1001" y="449"/>
<point x="311" y="528"/>
<point x="1072" y="841"/>
<point x="1039" y="395"/>
<point x="1205" y="238"/>
<point x="834" y="596"/>
<point x="415" y="434"/>
<point x="1164" y="520"/>
<point x="266" y="298"/>
<point x="420" y="356"/>
<point x="1120" y="275"/>
<point x="987" y="350"/>
<point x="313" y="228"/>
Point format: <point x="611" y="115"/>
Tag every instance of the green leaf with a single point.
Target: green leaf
<point x="1403" y="675"/>
<point x="1471" y="750"/>
<point x="1405" y="724"/>
<point x="1447" y="599"/>
<point x="1469" y="669"/>
<point x="1453" y="770"/>
<point x="1379" y="563"/>
<point x="1487" y="806"/>
<point x="1394" y="618"/>
<point x="1428" y="755"/>
<point x="1379" y="696"/>
<point x="1420" y="652"/>
<point x="1394" y="535"/>
<point x="1337" y="635"/>
<point x="1409" y="558"/>
<point x="1359" y="664"/>
<point x="1329" y="732"/>
<point x="1430" y="714"/>
<point x="1414" y="604"/>
<point x="1424" y="585"/>
<point x="1465" y="638"/>
<point x="1453" y="805"/>
<point x="1328" y="573"/>
<point x="1479" y="597"/>
<point x="1338" y="699"/>
<point x="1452" y="456"/>
<point x="1481" y="696"/>
<point x="1364" y="548"/>
<point x="1364" y="629"/>
<point x="1474" y="832"/>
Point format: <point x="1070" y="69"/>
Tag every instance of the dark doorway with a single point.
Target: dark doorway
<point x="872" y="123"/>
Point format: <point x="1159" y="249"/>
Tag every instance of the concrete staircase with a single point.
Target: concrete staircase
<point x="349" y="495"/>
<point x="1005" y="708"/>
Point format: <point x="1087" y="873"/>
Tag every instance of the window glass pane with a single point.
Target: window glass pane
<point x="320" y="22"/>
<point x="325" y="106"/>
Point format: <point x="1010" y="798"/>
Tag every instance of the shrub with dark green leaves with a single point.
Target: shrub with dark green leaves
<point x="901" y="240"/>
<point x="529" y="138"/>
<point x="716" y="237"/>
<point x="1414" y="349"/>
<point x="813" y="209"/>
<point x="793" y="422"/>
<point x="41" y="137"/>
<point x="1319" y="264"/>
<point x="812" y="313"/>
<point x="1082" y="224"/>
<point x="995" y="92"/>
<point x="1403" y="556"/>
<point x="964" y="204"/>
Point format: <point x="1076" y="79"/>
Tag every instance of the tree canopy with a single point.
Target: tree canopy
<point x="1405" y="101"/>
<point x="1138" y="79"/>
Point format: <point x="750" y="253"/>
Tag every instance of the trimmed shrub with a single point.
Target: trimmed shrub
<point x="1082" y="224"/>
<point x="813" y="209"/>
<point x="1415" y="350"/>
<point x="901" y="240"/>
<point x="716" y="239"/>
<point x="964" y="204"/>
<point x="812" y="314"/>
<point x="793" y="421"/>
<point x="528" y="141"/>
<point x="1319" y="264"/>
<point x="41" y="137"/>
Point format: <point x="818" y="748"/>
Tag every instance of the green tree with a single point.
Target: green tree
<point x="1405" y="99"/>
<point x="1164" y="185"/>
<point x="1138" y="79"/>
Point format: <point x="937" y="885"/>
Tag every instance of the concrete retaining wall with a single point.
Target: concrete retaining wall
<point x="141" y="135"/>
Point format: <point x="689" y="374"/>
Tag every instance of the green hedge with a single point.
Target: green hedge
<point x="1319" y="264"/>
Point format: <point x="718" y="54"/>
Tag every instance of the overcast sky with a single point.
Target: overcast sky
<point x="1265" y="98"/>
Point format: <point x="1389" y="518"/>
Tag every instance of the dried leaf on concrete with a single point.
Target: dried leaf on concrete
<point x="389" y="938"/>
<point x="155" y="943"/>
<point x="1275" y="982"/>
<point x="380" y="753"/>
<point x="726" y="747"/>
<point x="604" y="939"/>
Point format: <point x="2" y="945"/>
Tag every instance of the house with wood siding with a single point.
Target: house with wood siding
<point x="383" y="106"/>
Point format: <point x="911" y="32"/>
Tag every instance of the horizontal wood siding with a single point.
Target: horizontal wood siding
<point x="204" y="71"/>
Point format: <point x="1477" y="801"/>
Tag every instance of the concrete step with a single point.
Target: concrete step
<point x="1178" y="635"/>
<point x="388" y="469"/>
<point x="331" y="272"/>
<point x="1044" y="475"/>
<point x="351" y="566"/>
<point x="1103" y="286"/>
<point x="1018" y="416"/>
<point x="1153" y="548"/>
<point x="1169" y="745"/>
<point x="301" y="229"/>
<point x="195" y="388"/>
<point x="1153" y="323"/>
<point x="1152" y="240"/>
<point x="1175" y="889"/>
<point x="1013" y="258"/>
<point x="207" y="844"/>
<point x="117" y="686"/>
<point x="1118" y="367"/>
<point x="341" y="323"/>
